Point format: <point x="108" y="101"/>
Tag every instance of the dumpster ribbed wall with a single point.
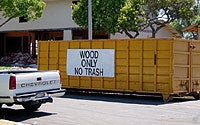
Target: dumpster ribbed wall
<point x="43" y="56"/>
<point x="195" y="66"/>
<point x="166" y="66"/>
<point x="181" y="66"/>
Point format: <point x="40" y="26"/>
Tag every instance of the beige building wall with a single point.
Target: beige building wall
<point x="56" y="15"/>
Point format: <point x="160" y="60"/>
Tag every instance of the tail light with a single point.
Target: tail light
<point x="12" y="82"/>
<point x="60" y="78"/>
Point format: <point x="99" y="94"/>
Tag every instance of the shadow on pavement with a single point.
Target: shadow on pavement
<point x="124" y="98"/>
<point x="19" y="115"/>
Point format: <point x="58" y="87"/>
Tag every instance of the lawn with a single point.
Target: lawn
<point x="5" y="67"/>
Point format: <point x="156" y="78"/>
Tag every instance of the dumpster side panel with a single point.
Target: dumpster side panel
<point x="53" y="55"/>
<point x="149" y="65"/>
<point x="63" y="45"/>
<point x="135" y="65"/>
<point x="195" y="66"/>
<point x="181" y="66"/>
<point x="121" y="64"/>
<point x="164" y="65"/>
<point x="43" y="55"/>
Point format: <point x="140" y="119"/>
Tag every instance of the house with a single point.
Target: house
<point x="195" y="29"/>
<point x="56" y="23"/>
<point x="166" y="32"/>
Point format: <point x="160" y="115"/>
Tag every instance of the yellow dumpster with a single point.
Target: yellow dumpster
<point x="160" y="66"/>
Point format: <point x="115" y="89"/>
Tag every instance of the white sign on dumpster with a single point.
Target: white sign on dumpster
<point x="90" y="62"/>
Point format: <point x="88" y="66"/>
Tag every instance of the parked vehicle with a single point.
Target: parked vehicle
<point x="29" y="88"/>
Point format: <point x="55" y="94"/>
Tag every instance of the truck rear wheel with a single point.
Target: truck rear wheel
<point x="196" y="96"/>
<point x="31" y="106"/>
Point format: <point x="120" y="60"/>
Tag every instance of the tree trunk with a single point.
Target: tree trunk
<point x="153" y="34"/>
<point x="130" y="35"/>
<point x="155" y="30"/>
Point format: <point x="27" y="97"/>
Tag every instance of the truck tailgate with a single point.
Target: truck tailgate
<point x="37" y="81"/>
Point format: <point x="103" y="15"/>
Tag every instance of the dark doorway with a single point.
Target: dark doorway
<point x="1" y="45"/>
<point x="13" y="45"/>
<point x="26" y="45"/>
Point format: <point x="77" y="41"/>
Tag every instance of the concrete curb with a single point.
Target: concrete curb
<point x="6" y="122"/>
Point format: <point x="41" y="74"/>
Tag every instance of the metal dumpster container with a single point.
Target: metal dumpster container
<point x="160" y="66"/>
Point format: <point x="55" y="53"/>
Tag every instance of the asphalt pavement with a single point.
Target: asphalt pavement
<point x="98" y="109"/>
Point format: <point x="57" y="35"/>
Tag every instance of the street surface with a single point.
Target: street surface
<point x="97" y="109"/>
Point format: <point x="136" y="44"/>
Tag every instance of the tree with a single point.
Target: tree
<point x="104" y="14"/>
<point x="110" y="15"/>
<point x="30" y="9"/>
<point x="179" y="24"/>
<point x="161" y="12"/>
<point x="131" y="18"/>
<point x="126" y="16"/>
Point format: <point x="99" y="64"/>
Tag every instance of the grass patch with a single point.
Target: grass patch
<point x="5" y="67"/>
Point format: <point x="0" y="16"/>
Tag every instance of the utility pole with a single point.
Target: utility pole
<point x="90" y="19"/>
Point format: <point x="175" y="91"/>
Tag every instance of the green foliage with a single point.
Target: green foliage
<point x="132" y="15"/>
<point x="5" y="67"/>
<point x="179" y="24"/>
<point x="31" y="9"/>
<point x="80" y="13"/>
<point x="108" y="15"/>
<point x="167" y="11"/>
<point x="105" y="14"/>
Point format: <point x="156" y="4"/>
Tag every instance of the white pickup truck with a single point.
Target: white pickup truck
<point x="29" y="88"/>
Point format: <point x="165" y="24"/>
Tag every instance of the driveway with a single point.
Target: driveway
<point x="98" y="109"/>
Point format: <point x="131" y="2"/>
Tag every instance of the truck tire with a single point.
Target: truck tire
<point x="196" y="96"/>
<point x="31" y="106"/>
